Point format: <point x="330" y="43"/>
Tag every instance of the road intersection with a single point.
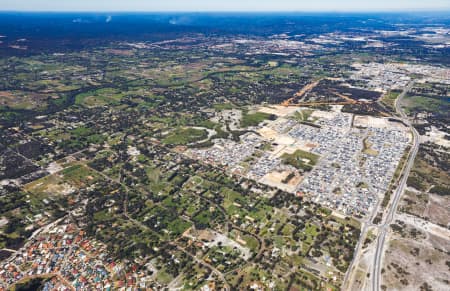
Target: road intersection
<point x="392" y="208"/>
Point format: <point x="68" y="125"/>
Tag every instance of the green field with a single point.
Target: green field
<point x="223" y="106"/>
<point x="303" y="115"/>
<point x="297" y="160"/>
<point x="184" y="136"/>
<point x="254" y="119"/>
<point x="80" y="175"/>
<point x="99" y="97"/>
<point x="428" y="104"/>
<point x="389" y="99"/>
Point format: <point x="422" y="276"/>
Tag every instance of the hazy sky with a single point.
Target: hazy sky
<point x="224" y="5"/>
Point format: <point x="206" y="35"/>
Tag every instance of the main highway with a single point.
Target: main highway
<point x="384" y="227"/>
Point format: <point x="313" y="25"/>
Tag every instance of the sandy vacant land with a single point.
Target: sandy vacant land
<point x="276" y="179"/>
<point x="377" y="122"/>
<point x="429" y="206"/>
<point x="50" y="185"/>
<point x="324" y="114"/>
<point x="417" y="258"/>
<point x="268" y="133"/>
<point x="279" y="110"/>
<point x="436" y="136"/>
<point x="284" y="143"/>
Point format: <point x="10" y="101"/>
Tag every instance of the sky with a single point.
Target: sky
<point x="224" y="5"/>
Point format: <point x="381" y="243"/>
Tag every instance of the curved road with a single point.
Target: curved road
<point x="397" y="195"/>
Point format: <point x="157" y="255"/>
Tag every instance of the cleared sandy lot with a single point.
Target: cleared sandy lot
<point x="276" y="179"/>
<point x="416" y="257"/>
<point x="279" y="110"/>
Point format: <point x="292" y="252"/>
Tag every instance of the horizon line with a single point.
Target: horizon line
<point x="390" y="11"/>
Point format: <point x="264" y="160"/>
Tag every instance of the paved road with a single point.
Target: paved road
<point x="348" y="278"/>
<point x="398" y="107"/>
<point x="368" y="223"/>
<point x="397" y="195"/>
